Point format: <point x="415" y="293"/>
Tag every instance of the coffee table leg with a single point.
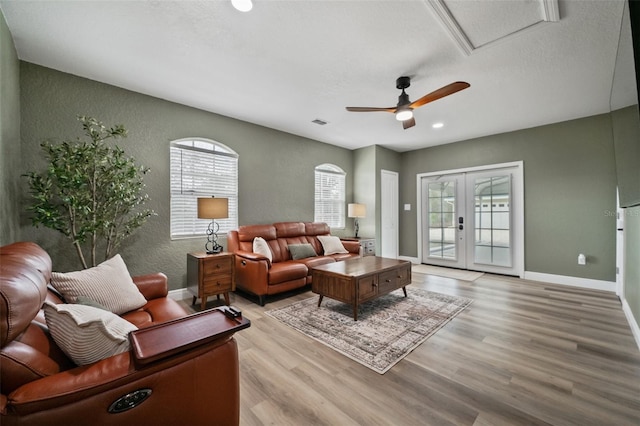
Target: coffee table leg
<point x="320" y="300"/>
<point x="405" y="291"/>
<point x="355" y="312"/>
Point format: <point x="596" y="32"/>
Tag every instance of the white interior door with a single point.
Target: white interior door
<point x="474" y="219"/>
<point x="389" y="214"/>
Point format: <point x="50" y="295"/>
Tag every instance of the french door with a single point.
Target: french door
<point x="473" y="219"/>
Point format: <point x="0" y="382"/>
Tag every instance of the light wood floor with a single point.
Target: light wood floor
<point x="524" y="353"/>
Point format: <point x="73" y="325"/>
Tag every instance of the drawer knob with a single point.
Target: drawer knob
<point x="388" y="280"/>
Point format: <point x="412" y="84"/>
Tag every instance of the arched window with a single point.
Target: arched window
<point x="201" y="168"/>
<point x="330" y="195"/>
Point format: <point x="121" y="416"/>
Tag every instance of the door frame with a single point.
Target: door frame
<point x="518" y="220"/>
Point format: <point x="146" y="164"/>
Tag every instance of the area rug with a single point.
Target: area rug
<point x="387" y="330"/>
<point x="458" y="274"/>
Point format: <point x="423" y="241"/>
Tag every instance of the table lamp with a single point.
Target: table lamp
<point x="213" y="208"/>
<point x="355" y="211"/>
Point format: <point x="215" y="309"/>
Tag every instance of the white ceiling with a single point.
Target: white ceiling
<point x="286" y="63"/>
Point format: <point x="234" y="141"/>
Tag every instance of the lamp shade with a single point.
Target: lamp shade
<point x="356" y="210"/>
<point x="213" y="208"/>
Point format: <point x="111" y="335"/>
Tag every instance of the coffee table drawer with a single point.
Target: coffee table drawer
<point x="367" y="287"/>
<point x="392" y="280"/>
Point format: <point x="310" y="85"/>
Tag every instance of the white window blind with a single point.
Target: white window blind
<point x="330" y="195"/>
<point x="201" y="168"/>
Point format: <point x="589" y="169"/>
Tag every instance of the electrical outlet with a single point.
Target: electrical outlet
<point x="582" y="259"/>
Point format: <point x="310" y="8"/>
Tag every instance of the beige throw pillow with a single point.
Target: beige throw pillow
<point x="260" y="246"/>
<point x="108" y="284"/>
<point x="331" y="244"/>
<point x="87" y="334"/>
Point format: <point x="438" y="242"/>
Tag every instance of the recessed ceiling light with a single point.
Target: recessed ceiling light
<point x="437" y="125"/>
<point x="242" y="5"/>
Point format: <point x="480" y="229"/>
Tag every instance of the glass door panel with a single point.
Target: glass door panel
<point x="441" y="242"/>
<point x="492" y="220"/>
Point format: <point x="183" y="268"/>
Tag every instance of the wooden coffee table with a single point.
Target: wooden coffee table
<point x="359" y="280"/>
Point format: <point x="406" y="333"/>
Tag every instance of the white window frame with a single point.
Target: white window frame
<point x="201" y="167"/>
<point x="330" y="195"/>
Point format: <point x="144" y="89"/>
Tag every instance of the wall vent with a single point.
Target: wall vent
<point x="319" y="122"/>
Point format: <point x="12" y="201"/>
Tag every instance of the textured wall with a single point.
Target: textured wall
<point x="276" y="169"/>
<point x="632" y="266"/>
<point x="569" y="183"/>
<point x="9" y="137"/>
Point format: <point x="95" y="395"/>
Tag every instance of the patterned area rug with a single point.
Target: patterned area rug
<point x="387" y="330"/>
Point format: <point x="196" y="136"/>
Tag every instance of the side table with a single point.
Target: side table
<point x="210" y="275"/>
<point x="368" y="245"/>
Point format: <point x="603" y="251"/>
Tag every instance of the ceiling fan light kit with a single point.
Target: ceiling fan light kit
<point x="404" y="114"/>
<point x="404" y="109"/>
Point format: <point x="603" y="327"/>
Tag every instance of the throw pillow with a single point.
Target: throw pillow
<point x="108" y="284"/>
<point x="87" y="334"/>
<point x="331" y="244"/>
<point x="84" y="300"/>
<point x="261" y="246"/>
<point x="301" y="251"/>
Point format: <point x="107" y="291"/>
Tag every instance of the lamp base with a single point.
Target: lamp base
<point x="215" y="250"/>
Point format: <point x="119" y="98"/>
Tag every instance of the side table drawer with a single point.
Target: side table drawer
<point x="217" y="283"/>
<point x="368" y="247"/>
<point x="218" y="266"/>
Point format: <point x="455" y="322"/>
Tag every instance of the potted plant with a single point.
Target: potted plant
<point x="91" y="191"/>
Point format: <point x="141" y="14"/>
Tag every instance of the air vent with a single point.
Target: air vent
<point x="319" y="122"/>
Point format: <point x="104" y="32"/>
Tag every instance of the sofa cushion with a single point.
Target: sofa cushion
<point x="312" y="262"/>
<point x="260" y="246"/>
<point x="108" y="284"/>
<point x="331" y="244"/>
<point x="87" y="334"/>
<point x="287" y="271"/>
<point x="300" y="251"/>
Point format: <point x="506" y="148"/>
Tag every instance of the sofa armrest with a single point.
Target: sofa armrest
<point x="249" y="255"/>
<point x="169" y="338"/>
<point x="351" y="246"/>
<point x="152" y="286"/>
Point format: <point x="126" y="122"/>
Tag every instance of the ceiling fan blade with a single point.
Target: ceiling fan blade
<point x="370" y="109"/>
<point x="440" y="93"/>
<point x="408" y="123"/>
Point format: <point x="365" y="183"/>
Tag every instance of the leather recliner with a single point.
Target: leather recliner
<point x="193" y="376"/>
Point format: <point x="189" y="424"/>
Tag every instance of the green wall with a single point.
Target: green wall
<point x="570" y="186"/>
<point x="626" y="140"/>
<point x="276" y="169"/>
<point x="632" y="266"/>
<point x="9" y="136"/>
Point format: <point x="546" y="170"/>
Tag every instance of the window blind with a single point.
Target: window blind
<point x="201" y="169"/>
<point x="330" y="196"/>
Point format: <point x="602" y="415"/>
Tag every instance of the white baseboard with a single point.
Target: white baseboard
<point x="633" y="323"/>
<point x="180" y="294"/>
<point x="571" y="281"/>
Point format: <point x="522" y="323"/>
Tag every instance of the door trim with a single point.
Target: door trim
<point x="519" y="253"/>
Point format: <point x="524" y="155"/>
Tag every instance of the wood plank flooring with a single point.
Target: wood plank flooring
<point x="524" y="353"/>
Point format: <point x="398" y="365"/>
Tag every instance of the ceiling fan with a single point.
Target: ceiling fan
<point x="404" y="109"/>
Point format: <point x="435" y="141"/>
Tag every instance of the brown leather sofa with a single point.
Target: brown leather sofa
<point x="193" y="377"/>
<point x="257" y="275"/>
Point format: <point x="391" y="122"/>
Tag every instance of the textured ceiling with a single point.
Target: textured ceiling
<point x="286" y="63"/>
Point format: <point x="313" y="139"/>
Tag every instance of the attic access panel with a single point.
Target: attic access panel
<point x="473" y="24"/>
